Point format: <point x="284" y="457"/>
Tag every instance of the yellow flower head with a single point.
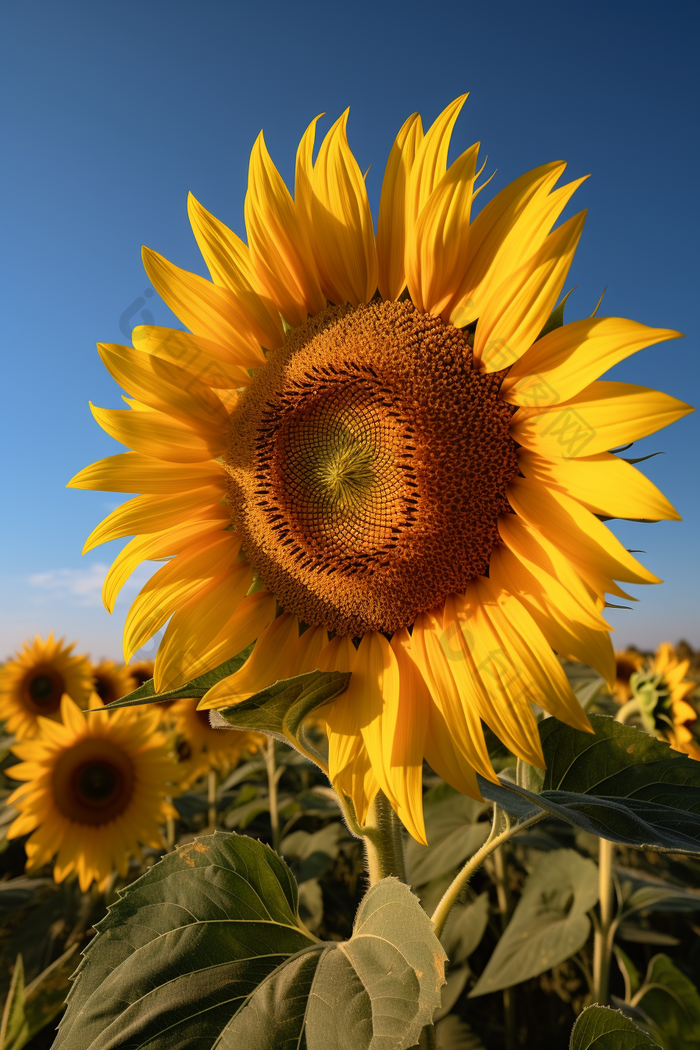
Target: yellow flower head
<point x="95" y="790"/>
<point x="110" y="681"/>
<point x="34" y="680"/>
<point x="201" y="748"/>
<point x="379" y="435"/>
<point x="663" y="691"/>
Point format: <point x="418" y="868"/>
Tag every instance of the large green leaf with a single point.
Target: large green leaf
<point x="618" y="783"/>
<point x="146" y="693"/>
<point x="207" y="949"/>
<point x="671" y="1001"/>
<point x="549" y="923"/>
<point x="600" y="1028"/>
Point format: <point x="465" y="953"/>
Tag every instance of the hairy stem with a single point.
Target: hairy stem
<point x="492" y="843"/>
<point x="211" y="798"/>
<point x="602" y="941"/>
<point x="272" y="778"/>
<point x="383" y="843"/>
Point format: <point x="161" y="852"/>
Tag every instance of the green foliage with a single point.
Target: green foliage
<point x="549" y="924"/>
<point x="671" y="1004"/>
<point x="453" y="835"/>
<point x="146" y="693"/>
<point x="208" y="946"/>
<point x="29" y="1009"/>
<point x="607" y="1029"/>
<point x="618" y="783"/>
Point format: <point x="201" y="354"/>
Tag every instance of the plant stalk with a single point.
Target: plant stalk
<point x="211" y="798"/>
<point x="602" y="942"/>
<point x="383" y="843"/>
<point x="271" y="765"/>
<point x="504" y="908"/>
<point x="495" y="839"/>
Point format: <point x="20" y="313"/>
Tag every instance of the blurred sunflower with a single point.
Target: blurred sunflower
<point x="201" y="748"/>
<point x="110" y="681"/>
<point x="140" y="672"/>
<point x="662" y="691"/>
<point x="381" y="436"/>
<point x="627" y="661"/>
<point x="95" y="791"/>
<point x="34" y="680"/>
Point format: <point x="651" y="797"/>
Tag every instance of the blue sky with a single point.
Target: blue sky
<point x="114" y="110"/>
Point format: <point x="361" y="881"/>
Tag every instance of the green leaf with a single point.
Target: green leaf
<point x="312" y="854"/>
<point x="549" y="923"/>
<point x="281" y="708"/>
<point x="619" y="784"/>
<point x="29" y="1009"/>
<point x="672" y="1003"/>
<point x="606" y="1029"/>
<point x="465" y="928"/>
<point x="14" y="1028"/>
<point x="207" y="948"/>
<point x="454" y="1034"/>
<point x="454" y="833"/>
<point x="146" y="693"/>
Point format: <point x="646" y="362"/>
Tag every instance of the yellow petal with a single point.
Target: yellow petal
<point x="165" y="387"/>
<point x="342" y="233"/>
<point x="374" y="691"/>
<point x="459" y="711"/>
<point x="159" y="435"/>
<point x="391" y="224"/>
<point x="564" y="361"/>
<point x="506" y="228"/>
<point x="268" y="663"/>
<point x="153" y="513"/>
<point x="156" y="546"/>
<point x="538" y="593"/>
<point x="205" y="308"/>
<point x="212" y="363"/>
<point x="485" y="673"/>
<point x="338" y="655"/>
<point x="252" y="616"/>
<point x="303" y="177"/>
<point x="577" y="532"/>
<point x="445" y="759"/>
<point x="134" y="472"/>
<point x="407" y="733"/>
<point x="602" y="416"/>
<point x="279" y="241"/>
<point x="307" y="651"/>
<point x="438" y="245"/>
<point x="516" y="313"/>
<point x="173" y="585"/>
<point x="604" y="484"/>
<point x="194" y="627"/>
<point x="430" y="163"/>
<point x="231" y="266"/>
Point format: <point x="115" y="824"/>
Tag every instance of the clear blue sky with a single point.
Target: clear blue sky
<point x="114" y="110"/>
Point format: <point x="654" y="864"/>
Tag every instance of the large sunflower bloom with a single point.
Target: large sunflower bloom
<point x="367" y="431"/>
<point x="202" y="748"/>
<point x="95" y="791"/>
<point x="663" y="691"/>
<point x="34" y="680"/>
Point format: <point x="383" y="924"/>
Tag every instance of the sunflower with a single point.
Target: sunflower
<point x="202" y="748"/>
<point x="110" y="681"/>
<point x="662" y="690"/>
<point x="627" y="662"/>
<point x="95" y="791"/>
<point x="140" y="672"/>
<point x="34" y="680"/>
<point x="388" y="439"/>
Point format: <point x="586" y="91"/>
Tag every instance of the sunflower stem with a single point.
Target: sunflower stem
<point x="211" y="798"/>
<point x="170" y="830"/>
<point x="603" y="935"/>
<point x="272" y="779"/>
<point x="632" y="707"/>
<point x="383" y="842"/>
<point x="495" y="839"/>
<point x="504" y="908"/>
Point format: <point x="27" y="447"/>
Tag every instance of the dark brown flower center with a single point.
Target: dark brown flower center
<point x="93" y="782"/>
<point x="369" y="461"/>
<point x="43" y="689"/>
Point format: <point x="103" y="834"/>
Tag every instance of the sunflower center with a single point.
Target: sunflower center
<point x="43" y="690"/>
<point x="105" y="688"/>
<point x="93" y="782"/>
<point x="369" y="461"/>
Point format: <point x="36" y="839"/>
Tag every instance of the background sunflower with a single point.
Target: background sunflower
<point x="33" y="682"/>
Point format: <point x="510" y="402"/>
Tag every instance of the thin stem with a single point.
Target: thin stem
<point x="632" y="707"/>
<point x="383" y="843"/>
<point x="602" y="939"/>
<point x="211" y="798"/>
<point x="272" y="779"/>
<point x="504" y="908"/>
<point x="492" y="843"/>
<point x="430" y="1041"/>
<point x="170" y="830"/>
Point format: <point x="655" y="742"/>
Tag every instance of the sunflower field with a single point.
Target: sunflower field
<point x="387" y="784"/>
